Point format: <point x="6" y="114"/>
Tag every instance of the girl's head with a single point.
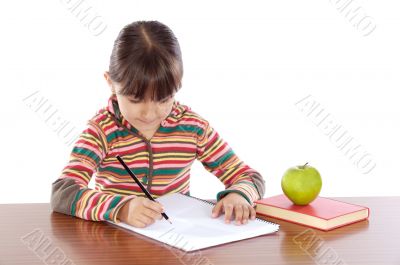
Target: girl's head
<point x="145" y="72"/>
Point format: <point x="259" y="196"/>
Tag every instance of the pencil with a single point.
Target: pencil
<point x="148" y="195"/>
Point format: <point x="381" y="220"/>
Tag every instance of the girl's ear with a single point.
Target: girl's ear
<point x="109" y="81"/>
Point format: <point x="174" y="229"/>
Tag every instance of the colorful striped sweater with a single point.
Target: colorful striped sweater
<point x="161" y="163"/>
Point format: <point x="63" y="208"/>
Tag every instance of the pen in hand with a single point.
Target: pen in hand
<point x="148" y="195"/>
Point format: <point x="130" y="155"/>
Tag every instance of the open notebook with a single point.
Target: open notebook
<point x="193" y="227"/>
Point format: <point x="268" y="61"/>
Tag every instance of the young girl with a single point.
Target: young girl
<point x="158" y="137"/>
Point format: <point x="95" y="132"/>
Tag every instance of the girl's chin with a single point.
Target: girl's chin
<point x="144" y="123"/>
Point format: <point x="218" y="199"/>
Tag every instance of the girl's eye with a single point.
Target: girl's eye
<point x="134" y="101"/>
<point x="138" y="101"/>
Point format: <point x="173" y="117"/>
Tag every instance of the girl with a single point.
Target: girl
<point x="158" y="137"/>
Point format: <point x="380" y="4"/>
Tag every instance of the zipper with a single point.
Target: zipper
<point x="150" y="175"/>
<point x="149" y="150"/>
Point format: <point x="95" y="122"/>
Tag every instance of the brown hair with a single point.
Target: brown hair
<point x="146" y="55"/>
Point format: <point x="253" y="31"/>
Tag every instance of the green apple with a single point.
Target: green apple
<point x="301" y="184"/>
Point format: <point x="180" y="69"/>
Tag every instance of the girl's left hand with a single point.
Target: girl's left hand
<point x="234" y="203"/>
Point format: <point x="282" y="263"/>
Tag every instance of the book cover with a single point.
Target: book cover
<point x="322" y="213"/>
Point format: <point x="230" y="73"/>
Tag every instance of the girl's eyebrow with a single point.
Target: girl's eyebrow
<point x="167" y="97"/>
<point x="170" y="96"/>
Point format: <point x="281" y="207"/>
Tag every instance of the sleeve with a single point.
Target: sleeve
<point x="70" y="193"/>
<point x="218" y="158"/>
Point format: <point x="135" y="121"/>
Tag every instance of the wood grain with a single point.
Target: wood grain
<point x="60" y="237"/>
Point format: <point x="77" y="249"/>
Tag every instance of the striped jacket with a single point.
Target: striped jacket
<point x="161" y="163"/>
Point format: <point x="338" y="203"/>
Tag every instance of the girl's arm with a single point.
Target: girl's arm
<point x="70" y="193"/>
<point x="219" y="159"/>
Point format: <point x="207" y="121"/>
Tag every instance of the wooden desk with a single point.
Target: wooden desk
<point x="376" y="241"/>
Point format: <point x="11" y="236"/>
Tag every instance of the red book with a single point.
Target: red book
<point x="322" y="213"/>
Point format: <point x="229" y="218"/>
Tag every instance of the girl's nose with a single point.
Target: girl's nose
<point x="148" y="116"/>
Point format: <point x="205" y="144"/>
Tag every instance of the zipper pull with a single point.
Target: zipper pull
<point x="144" y="179"/>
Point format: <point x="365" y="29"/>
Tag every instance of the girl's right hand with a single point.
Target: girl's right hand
<point x="140" y="212"/>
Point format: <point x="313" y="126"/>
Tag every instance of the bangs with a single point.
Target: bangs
<point x="159" y="76"/>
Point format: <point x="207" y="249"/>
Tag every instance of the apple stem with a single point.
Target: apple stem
<point x="305" y="165"/>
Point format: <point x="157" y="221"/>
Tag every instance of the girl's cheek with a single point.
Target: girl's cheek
<point x="131" y="113"/>
<point x="165" y="109"/>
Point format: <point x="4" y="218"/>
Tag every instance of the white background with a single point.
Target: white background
<point x="246" y="64"/>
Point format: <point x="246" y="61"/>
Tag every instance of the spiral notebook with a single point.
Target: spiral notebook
<point x="193" y="228"/>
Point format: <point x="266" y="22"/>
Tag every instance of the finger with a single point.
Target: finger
<point x="216" y="211"/>
<point x="155" y="206"/>
<point x="238" y="214"/>
<point x="246" y="212"/>
<point x="152" y="214"/>
<point x="252" y="213"/>
<point x="228" y="212"/>
<point x="145" y="219"/>
<point x="139" y="224"/>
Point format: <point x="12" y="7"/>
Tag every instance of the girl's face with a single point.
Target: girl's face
<point x="145" y="115"/>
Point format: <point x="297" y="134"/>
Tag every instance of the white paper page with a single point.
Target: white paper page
<point x="193" y="227"/>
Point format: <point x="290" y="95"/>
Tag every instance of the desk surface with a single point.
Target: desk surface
<point x="32" y="234"/>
